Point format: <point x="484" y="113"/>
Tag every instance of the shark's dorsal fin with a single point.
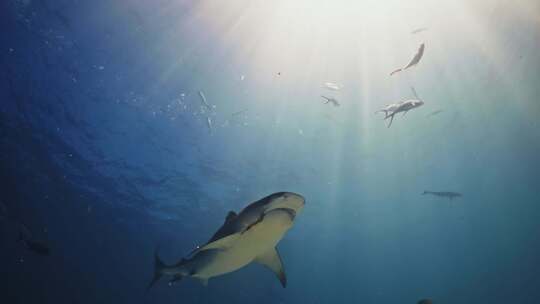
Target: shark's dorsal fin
<point x="230" y="216"/>
<point x="272" y="261"/>
<point x="222" y="243"/>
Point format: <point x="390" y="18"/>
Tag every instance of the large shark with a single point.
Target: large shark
<point x="246" y="237"/>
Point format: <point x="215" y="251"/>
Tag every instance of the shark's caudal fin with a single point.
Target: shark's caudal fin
<point x="158" y="269"/>
<point x="272" y="261"/>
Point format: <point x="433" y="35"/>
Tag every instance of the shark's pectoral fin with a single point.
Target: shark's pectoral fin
<point x="204" y="282"/>
<point x="272" y="261"/>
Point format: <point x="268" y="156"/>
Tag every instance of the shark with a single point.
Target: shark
<point x="447" y="194"/>
<point x="250" y="236"/>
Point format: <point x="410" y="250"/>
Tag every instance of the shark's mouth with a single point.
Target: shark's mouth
<point x="289" y="211"/>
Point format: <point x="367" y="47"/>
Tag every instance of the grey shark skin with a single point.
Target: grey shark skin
<point x="447" y="194"/>
<point x="246" y="237"/>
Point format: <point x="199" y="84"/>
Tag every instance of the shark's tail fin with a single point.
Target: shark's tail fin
<point x="158" y="270"/>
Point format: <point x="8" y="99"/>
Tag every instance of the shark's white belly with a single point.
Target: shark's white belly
<point x="259" y="239"/>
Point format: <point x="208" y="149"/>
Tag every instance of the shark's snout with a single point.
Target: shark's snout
<point x="293" y="201"/>
<point x="286" y="200"/>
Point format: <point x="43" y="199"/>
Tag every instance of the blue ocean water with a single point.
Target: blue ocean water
<point x="132" y="125"/>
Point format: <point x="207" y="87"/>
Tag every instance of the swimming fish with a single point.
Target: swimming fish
<point x="209" y="124"/>
<point x="333" y="86"/>
<point x="447" y="194"/>
<point x="419" y="30"/>
<point x="425" y="301"/>
<point x="246" y="237"/>
<point x="35" y="246"/>
<point x="203" y="100"/>
<point x="401" y="107"/>
<point x="435" y="113"/>
<point x="331" y="100"/>
<point x="239" y="112"/>
<point x="414" y="61"/>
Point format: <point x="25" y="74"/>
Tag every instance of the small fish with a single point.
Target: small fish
<point x="401" y="107"/>
<point x="209" y="124"/>
<point x="203" y="100"/>
<point x="239" y="112"/>
<point x="425" y="301"/>
<point x="37" y="247"/>
<point x="331" y="100"/>
<point x="414" y="61"/>
<point x="435" y="113"/>
<point x="446" y="194"/>
<point x="333" y="86"/>
<point x="419" y="30"/>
